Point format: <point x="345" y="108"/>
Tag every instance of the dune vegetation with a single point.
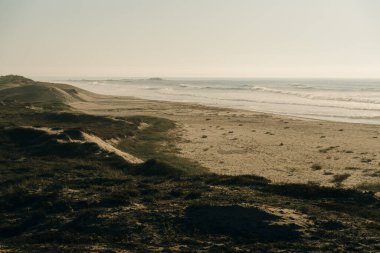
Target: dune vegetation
<point x="61" y="192"/>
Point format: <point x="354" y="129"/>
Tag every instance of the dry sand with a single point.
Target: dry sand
<point x="279" y="148"/>
<point x="108" y="146"/>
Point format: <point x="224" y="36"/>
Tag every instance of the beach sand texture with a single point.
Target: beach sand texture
<point x="282" y="149"/>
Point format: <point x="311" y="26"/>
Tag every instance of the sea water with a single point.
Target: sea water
<point x="347" y="100"/>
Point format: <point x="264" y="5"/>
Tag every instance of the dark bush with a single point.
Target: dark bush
<point x="153" y="167"/>
<point x="310" y="191"/>
<point x="237" y="221"/>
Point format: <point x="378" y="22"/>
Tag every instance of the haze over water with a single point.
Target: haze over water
<point x="347" y="100"/>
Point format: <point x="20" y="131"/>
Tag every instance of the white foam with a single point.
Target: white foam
<point x="319" y="97"/>
<point x="331" y="99"/>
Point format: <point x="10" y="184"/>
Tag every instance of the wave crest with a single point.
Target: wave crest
<point x="317" y="97"/>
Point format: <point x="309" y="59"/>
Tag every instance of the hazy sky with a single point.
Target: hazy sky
<point x="194" y="38"/>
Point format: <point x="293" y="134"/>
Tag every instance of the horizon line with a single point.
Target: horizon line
<point x="116" y="77"/>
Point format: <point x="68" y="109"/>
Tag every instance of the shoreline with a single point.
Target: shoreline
<point x="265" y="98"/>
<point x="274" y="114"/>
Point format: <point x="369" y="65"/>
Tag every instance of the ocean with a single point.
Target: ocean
<point x="346" y="100"/>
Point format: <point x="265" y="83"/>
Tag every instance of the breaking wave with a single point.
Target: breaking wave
<point x="341" y="100"/>
<point x="317" y="97"/>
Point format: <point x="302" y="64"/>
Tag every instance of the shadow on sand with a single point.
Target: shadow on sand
<point x="238" y="222"/>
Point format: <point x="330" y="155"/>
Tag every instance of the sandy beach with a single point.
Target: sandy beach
<point x="76" y="164"/>
<point x="190" y="126"/>
<point x="282" y="149"/>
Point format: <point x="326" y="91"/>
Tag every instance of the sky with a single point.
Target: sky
<point x="197" y="38"/>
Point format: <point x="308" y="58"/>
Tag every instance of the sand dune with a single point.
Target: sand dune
<point x="23" y="90"/>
